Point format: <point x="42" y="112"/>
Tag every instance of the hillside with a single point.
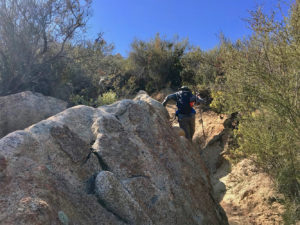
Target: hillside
<point x="78" y="147"/>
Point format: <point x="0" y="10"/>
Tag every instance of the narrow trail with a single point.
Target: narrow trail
<point x="247" y="194"/>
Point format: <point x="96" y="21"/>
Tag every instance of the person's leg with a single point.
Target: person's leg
<point x="192" y="126"/>
<point x="185" y="125"/>
<point x="190" y="121"/>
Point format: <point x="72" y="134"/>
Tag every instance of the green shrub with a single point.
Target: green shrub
<point x="80" y="100"/>
<point x="107" y="98"/>
<point x="218" y="103"/>
<point x="157" y="63"/>
<point x="292" y="213"/>
<point x="261" y="82"/>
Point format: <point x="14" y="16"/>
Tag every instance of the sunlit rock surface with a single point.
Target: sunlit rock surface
<point x="24" y="109"/>
<point x="118" y="164"/>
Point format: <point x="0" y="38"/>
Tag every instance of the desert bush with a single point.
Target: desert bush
<point x="81" y="100"/>
<point x="33" y="39"/>
<point x="200" y="67"/>
<point x="107" y="98"/>
<point x="262" y="83"/>
<point x="156" y="64"/>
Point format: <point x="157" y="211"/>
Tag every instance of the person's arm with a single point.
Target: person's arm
<point x="197" y="99"/>
<point x="168" y="98"/>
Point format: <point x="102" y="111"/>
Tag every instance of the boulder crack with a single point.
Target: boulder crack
<point x="102" y="163"/>
<point x="102" y="203"/>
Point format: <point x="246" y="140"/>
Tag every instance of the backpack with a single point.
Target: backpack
<point x="183" y="102"/>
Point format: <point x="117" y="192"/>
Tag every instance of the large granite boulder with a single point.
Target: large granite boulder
<point x="24" y="109"/>
<point x="118" y="164"/>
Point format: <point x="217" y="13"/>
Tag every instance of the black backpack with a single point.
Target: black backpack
<point x="183" y="102"/>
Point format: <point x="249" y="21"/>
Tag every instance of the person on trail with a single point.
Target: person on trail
<point x="185" y="101"/>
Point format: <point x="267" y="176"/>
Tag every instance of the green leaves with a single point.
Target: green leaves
<point x="262" y="83"/>
<point x="107" y="98"/>
<point x="157" y="64"/>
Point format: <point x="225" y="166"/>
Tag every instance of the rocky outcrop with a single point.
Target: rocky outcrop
<point x="118" y="164"/>
<point x="21" y="110"/>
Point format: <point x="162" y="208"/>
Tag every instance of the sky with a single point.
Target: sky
<point x="200" y="21"/>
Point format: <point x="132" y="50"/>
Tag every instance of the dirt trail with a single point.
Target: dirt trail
<point x="247" y="194"/>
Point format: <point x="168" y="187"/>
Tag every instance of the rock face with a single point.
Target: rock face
<point x="118" y="164"/>
<point x="21" y="110"/>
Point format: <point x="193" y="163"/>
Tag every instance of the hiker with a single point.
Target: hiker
<point x="185" y="101"/>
